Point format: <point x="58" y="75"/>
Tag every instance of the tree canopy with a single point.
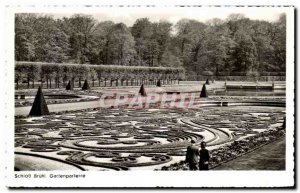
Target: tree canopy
<point x="234" y="45"/>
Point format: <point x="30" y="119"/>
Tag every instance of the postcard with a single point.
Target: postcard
<point x="136" y="96"/>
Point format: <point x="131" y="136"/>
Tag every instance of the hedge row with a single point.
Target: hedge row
<point x="60" y="72"/>
<point x="238" y="78"/>
<point x="251" y="73"/>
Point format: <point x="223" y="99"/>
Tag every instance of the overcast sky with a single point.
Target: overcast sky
<point x="128" y="16"/>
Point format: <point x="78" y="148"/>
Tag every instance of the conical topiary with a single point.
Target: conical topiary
<point x="203" y="92"/>
<point x="69" y="86"/>
<point x="86" y="85"/>
<point x="142" y="91"/>
<point x="207" y="81"/>
<point x="158" y="84"/>
<point x="39" y="106"/>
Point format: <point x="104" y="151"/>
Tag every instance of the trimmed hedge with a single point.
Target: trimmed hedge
<point x="61" y="72"/>
<point x="246" y="74"/>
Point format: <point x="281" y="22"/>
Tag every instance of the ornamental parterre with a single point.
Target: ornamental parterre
<point x="138" y="139"/>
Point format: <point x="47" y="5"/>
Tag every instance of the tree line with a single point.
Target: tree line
<point x="57" y="75"/>
<point x="234" y="45"/>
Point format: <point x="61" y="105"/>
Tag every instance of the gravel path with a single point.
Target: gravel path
<point x="60" y="107"/>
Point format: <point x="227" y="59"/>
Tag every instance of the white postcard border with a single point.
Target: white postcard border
<point x="146" y="178"/>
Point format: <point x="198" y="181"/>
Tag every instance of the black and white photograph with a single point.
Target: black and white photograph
<point x="172" y="92"/>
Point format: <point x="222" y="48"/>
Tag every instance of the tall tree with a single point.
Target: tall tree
<point x="52" y="44"/>
<point x="80" y="29"/>
<point x="244" y="55"/>
<point x="100" y="52"/>
<point x="122" y="44"/>
<point x="192" y="40"/>
<point x="146" y="47"/>
<point x="162" y="35"/>
<point x="25" y="37"/>
<point x="278" y="39"/>
<point x="220" y="45"/>
<point x="261" y="37"/>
